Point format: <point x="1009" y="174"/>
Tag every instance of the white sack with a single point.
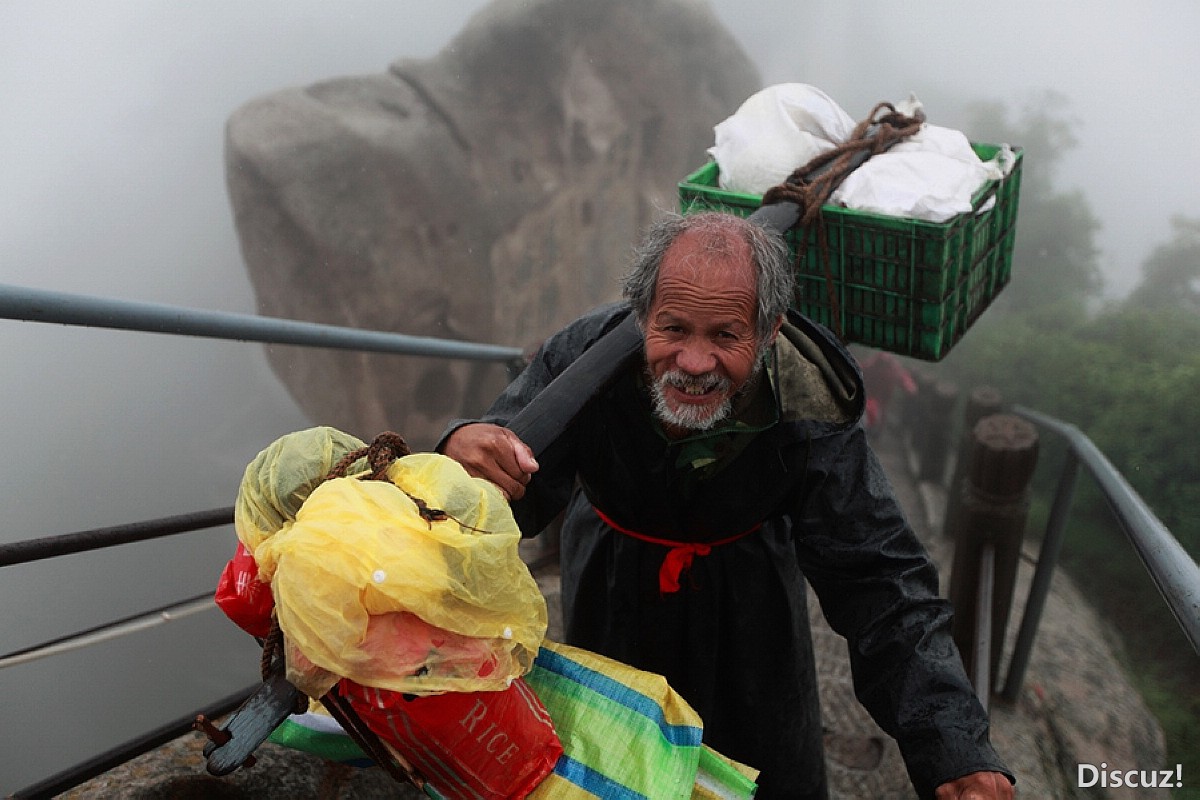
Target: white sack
<point x="932" y="175"/>
<point x="775" y="131"/>
<point x="924" y="185"/>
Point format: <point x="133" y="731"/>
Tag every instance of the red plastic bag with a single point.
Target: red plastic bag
<point x="242" y="596"/>
<point x="491" y="745"/>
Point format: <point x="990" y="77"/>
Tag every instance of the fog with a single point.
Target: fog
<point x="111" y="125"/>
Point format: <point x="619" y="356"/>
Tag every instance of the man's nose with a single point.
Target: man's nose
<point x="696" y="357"/>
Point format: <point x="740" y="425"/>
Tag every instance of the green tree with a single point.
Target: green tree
<point x="1145" y="418"/>
<point x="1171" y="276"/>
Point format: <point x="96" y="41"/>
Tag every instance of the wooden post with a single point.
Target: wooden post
<point x="993" y="509"/>
<point x="983" y="401"/>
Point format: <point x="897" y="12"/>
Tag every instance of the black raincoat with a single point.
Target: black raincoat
<point x="790" y="492"/>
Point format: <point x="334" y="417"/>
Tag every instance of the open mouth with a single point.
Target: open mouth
<point x="693" y="402"/>
<point x="695" y="392"/>
<point x="694" y="388"/>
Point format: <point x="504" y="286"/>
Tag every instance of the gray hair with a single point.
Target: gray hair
<point x="773" y="268"/>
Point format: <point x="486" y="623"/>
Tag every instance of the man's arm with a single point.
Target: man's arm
<point x="879" y="589"/>
<point x="487" y="449"/>
<point x="545" y="405"/>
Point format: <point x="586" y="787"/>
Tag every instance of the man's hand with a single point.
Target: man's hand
<point x="976" y="786"/>
<point x="495" y="454"/>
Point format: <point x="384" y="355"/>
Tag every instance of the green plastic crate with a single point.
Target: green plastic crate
<point x="902" y="285"/>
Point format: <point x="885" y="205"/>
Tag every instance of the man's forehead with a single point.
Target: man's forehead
<point x="704" y="256"/>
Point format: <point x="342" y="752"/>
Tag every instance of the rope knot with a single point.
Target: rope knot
<point x="680" y="555"/>
<point x="380" y="453"/>
<point x="811" y="185"/>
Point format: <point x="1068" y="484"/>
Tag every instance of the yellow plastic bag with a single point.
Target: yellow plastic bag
<point x="413" y="584"/>
<point x="280" y="478"/>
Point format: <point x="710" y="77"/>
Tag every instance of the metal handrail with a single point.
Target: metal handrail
<point x="39" y="305"/>
<point x="30" y="550"/>
<point x="66" y="544"/>
<point x="116" y="629"/>
<point x="1172" y="569"/>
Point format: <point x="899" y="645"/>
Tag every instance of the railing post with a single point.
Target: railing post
<point x="1056" y="527"/>
<point x="983" y="401"/>
<point x="993" y="509"/>
<point x="982" y="650"/>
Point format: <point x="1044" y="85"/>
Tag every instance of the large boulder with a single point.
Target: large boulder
<point x="490" y="193"/>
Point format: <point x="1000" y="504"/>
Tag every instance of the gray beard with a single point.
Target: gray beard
<point x="692" y="418"/>
<point x="688" y="417"/>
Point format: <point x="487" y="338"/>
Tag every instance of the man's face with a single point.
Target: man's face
<point x="701" y="345"/>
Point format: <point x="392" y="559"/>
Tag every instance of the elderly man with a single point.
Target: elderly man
<point x="704" y="485"/>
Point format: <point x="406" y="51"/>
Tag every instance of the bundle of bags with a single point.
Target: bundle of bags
<point x="408" y="597"/>
<point x="930" y="176"/>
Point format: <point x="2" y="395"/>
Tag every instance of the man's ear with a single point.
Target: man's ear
<point x="775" y="330"/>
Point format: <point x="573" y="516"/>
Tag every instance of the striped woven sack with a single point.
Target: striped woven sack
<point x="721" y="778"/>
<point x="626" y="734"/>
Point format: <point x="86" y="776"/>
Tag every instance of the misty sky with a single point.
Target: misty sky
<point x="111" y="124"/>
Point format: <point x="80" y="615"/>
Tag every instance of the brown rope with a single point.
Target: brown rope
<point x="386" y="448"/>
<point x="272" y="648"/>
<point x="273" y="660"/>
<point x="380" y="454"/>
<point x="810" y="193"/>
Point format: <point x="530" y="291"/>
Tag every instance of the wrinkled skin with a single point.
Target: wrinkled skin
<point x="701" y="342"/>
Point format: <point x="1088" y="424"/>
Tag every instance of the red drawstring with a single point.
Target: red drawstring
<point x="680" y="555"/>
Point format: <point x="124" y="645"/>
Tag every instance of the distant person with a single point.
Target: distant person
<point x="883" y="374"/>
<point x="702" y="487"/>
